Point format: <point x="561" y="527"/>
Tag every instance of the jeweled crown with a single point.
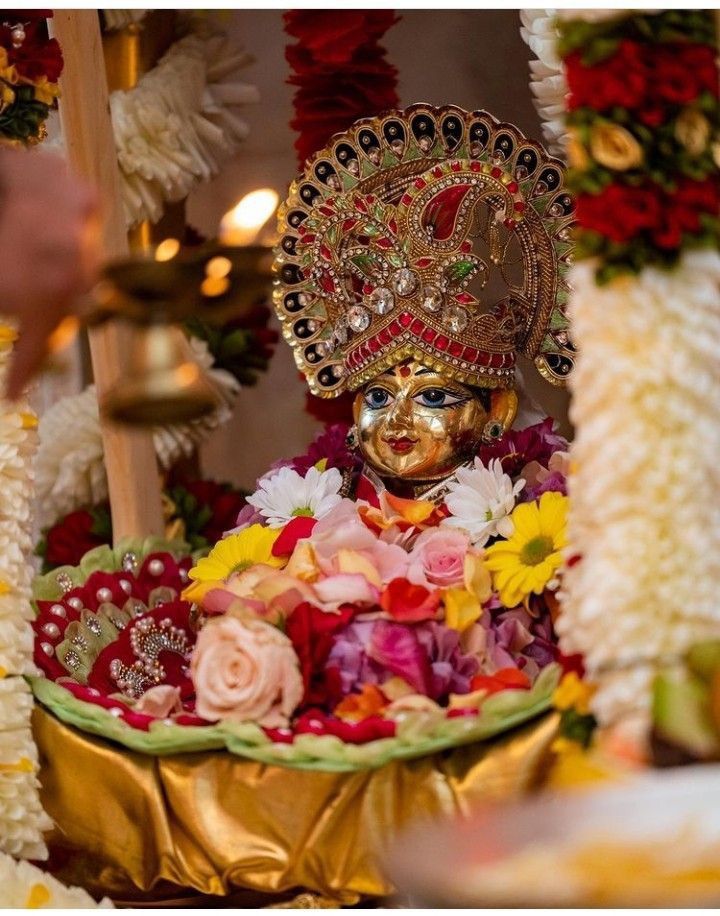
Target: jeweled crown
<point x="434" y="234"/>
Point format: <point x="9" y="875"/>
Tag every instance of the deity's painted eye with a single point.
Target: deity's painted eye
<point x="437" y="397"/>
<point x="375" y="398"/>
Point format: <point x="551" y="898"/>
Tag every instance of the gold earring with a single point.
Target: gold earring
<point x="351" y="440"/>
<point x="492" y="431"/>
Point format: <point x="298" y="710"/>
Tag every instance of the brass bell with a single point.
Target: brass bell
<point x="161" y="384"/>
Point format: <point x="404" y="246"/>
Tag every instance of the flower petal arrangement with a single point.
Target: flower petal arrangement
<point x="323" y="631"/>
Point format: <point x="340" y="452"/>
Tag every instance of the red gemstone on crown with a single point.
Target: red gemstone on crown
<point x="496" y="172"/>
<point x="406" y="199"/>
<point x="374" y="344"/>
<point x="429" y="335"/>
<point x="441" y="342"/>
<point x="513" y="187"/>
<point x="475" y="166"/>
<point x="417" y="327"/>
<point x="437" y="172"/>
<point x="405" y="319"/>
<point x="470" y="354"/>
<point x="420" y="183"/>
<point x="394" y="328"/>
<point x="455" y="166"/>
<point x="349" y="224"/>
<point x="455" y="348"/>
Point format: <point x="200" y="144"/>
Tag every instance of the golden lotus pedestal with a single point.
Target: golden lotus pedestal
<point x="170" y="830"/>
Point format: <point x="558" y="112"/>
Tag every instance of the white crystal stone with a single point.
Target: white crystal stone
<point x="358" y="318"/>
<point x="432" y="299"/>
<point x="405" y="281"/>
<point x="382" y="300"/>
<point x="457" y="318"/>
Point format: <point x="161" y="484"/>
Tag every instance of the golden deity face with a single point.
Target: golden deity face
<point x="417" y="424"/>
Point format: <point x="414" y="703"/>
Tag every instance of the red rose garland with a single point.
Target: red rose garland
<point x="340" y="72"/>
<point x="644" y="118"/>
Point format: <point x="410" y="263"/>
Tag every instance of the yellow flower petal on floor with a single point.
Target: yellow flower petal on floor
<point x="527" y="561"/>
<point x="236" y="553"/>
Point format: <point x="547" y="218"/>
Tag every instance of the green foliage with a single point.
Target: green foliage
<point x="599" y="40"/>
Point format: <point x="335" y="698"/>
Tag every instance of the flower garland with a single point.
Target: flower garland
<point x="547" y="79"/>
<point x="22" y="819"/>
<point x="70" y="468"/>
<point x="196" y="511"/>
<point x="26" y="886"/>
<point x="363" y="621"/>
<point x="644" y="537"/>
<point x="30" y="66"/>
<point x="339" y="71"/>
<point x="181" y="122"/>
<point x="644" y="122"/>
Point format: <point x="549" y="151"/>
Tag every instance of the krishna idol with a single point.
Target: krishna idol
<point x="392" y="594"/>
<point x="421" y="252"/>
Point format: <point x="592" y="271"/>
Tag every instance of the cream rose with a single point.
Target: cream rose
<point x="245" y="670"/>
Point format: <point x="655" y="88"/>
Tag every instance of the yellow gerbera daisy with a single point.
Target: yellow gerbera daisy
<point x="528" y="560"/>
<point x="233" y="554"/>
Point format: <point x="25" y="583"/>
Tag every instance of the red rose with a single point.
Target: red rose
<point x="619" y="212"/>
<point x="700" y="61"/>
<point x="621" y="79"/>
<point x="312" y="633"/>
<point x="674" y="81"/>
<point x="69" y="540"/>
<point x="37" y="56"/>
<point x="409" y="603"/>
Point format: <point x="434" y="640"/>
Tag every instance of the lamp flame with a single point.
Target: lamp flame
<point x="242" y="224"/>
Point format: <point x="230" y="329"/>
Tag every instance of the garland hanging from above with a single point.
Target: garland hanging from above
<point x="30" y="66"/>
<point x="644" y="123"/>
<point x="180" y="124"/>
<point x="339" y="70"/>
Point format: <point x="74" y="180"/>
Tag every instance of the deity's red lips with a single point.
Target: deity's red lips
<point x="400" y="443"/>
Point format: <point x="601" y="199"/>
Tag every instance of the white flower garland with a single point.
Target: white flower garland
<point x="180" y="123"/>
<point x="22" y="819"/>
<point x="547" y="79"/>
<point x="121" y="19"/>
<point x="644" y="513"/>
<point x="70" y="468"/>
<point x="26" y="886"/>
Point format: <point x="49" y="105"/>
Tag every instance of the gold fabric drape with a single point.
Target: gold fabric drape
<point x="128" y="823"/>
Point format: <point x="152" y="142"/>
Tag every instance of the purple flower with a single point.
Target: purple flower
<point x="329" y="444"/>
<point x="555" y="482"/>
<point x="428" y="656"/>
<point x="518" y="447"/>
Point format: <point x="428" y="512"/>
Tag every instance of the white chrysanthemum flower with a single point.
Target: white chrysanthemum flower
<point x="643" y="515"/>
<point x="181" y="122"/>
<point x="547" y="79"/>
<point x="70" y="468"/>
<point x="286" y="495"/>
<point x="26" y="886"/>
<point x="481" y="501"/>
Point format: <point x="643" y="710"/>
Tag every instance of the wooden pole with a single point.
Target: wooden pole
<point x="133" y="479"/>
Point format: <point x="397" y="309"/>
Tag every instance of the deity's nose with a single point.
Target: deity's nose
<point x="400" y="415"/>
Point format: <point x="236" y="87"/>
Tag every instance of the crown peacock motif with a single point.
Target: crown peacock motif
<point x="434" y="234"/>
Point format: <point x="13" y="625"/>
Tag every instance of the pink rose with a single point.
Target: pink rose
<point x="343" y="530"/>
<point x="344" y="588"/>
<point x="245" y="670"/>
<point x="160" y="701"/>
<point x="438" y="558"/>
